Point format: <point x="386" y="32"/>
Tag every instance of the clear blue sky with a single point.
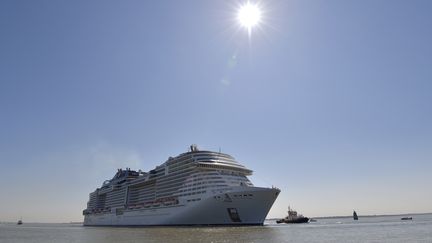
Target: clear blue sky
<point x="329" y="101"/>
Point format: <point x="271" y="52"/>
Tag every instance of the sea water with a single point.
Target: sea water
<point x="366" y="229"/>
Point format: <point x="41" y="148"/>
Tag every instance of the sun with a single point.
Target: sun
<point x="249" y="16"/>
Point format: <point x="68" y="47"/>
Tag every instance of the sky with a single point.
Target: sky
<point x="330" y="101"/>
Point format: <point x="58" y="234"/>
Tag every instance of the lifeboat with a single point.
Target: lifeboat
<point x="157" y="203"/>
<point x="170" y="201"/>
<point x="148" y="204"/>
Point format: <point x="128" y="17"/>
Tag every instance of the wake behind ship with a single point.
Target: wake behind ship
<point x="194" y="188"/>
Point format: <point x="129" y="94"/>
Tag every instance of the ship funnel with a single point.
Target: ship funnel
<point x="193" y="148"/>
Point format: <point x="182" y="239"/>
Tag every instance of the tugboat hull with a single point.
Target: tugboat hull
<point x="293" y="221"/>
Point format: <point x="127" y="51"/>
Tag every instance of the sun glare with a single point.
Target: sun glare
<point x="249" y="15"/>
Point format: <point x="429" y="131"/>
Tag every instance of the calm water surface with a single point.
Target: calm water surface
<point x="367" y="229"/>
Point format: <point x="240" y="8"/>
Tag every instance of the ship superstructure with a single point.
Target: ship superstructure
<point x="194" y="188"/>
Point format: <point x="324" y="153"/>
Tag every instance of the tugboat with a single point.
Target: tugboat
<point x="293" y="218"/>
<point x="19" y="222"/>
<point x="355" y="217"/>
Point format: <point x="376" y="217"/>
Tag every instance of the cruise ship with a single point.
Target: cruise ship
<point x="194" y="188"/>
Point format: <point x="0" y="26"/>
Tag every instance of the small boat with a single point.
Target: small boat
<point x="355" y="217"/>
<point x="406" y="218"/>
<point x="293" y="218"/>
<point x="19" y="222"/>
<point x="312" y="220"/>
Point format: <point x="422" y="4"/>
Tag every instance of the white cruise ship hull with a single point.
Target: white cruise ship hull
<point x="236" y="206"/>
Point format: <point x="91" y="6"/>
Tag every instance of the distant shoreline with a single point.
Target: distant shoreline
<point x="6" y="222"/>
<point x="321" y="217"/>
<point x="363" y="216"/>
